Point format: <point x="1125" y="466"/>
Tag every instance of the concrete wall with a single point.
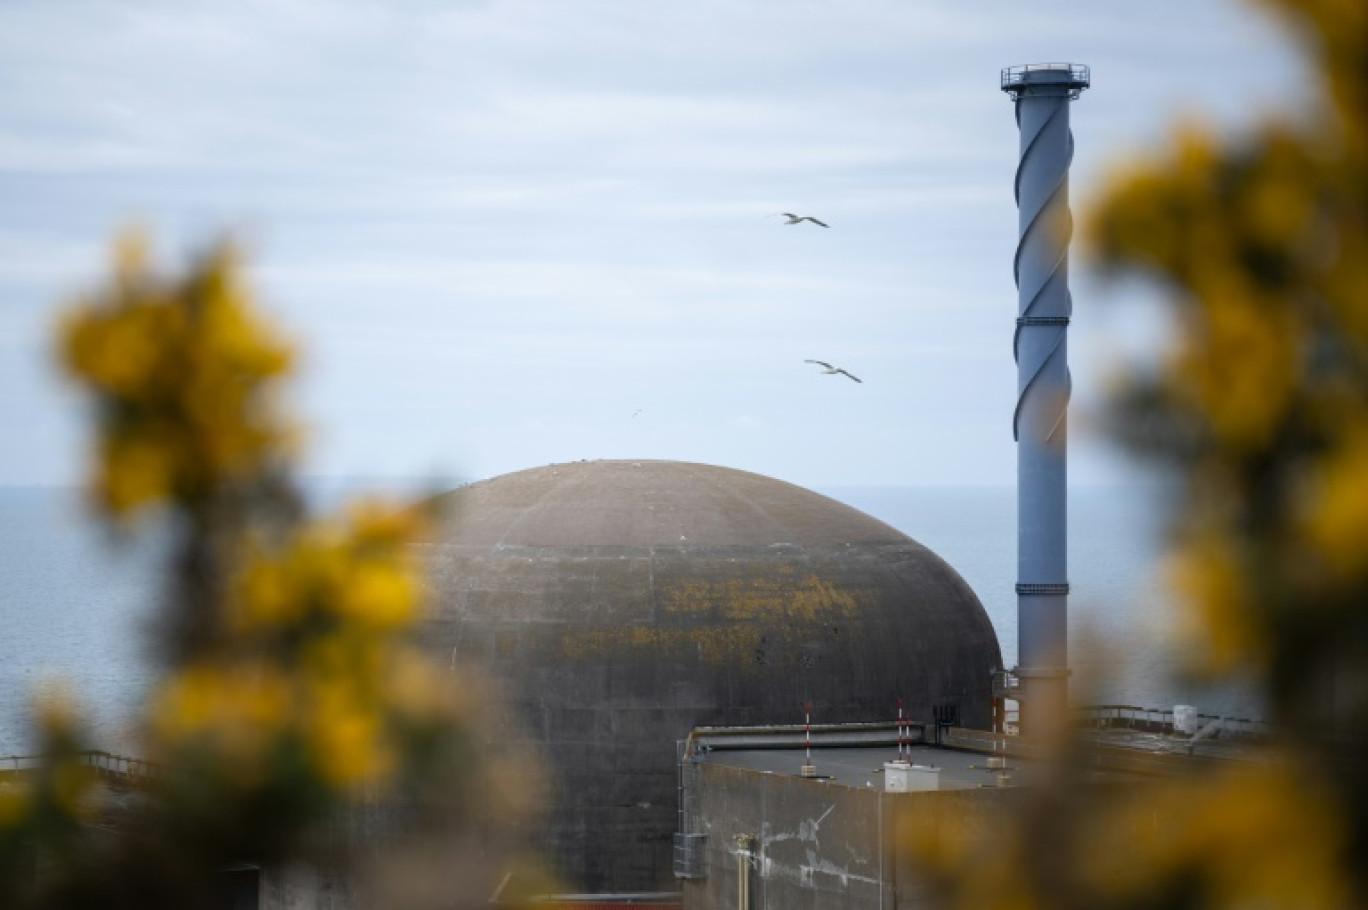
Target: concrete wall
<point x="381" y="853"/>
<point x="622" y="604"/>
<point x="817" y="845"/>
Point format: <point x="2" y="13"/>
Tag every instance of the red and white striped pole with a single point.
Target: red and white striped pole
<point x="900" y="730"/>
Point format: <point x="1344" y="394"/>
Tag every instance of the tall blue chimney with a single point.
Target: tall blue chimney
<point x="1042" y="93"/>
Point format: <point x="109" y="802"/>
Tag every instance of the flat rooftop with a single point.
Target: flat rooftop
<point x="863" y="766"/>
<point x="854" y="755"/>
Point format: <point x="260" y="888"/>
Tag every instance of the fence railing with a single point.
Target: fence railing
<point x="1163" y="720"/>
<point x="1075" y="76"/>
<point x="107" y="764"/>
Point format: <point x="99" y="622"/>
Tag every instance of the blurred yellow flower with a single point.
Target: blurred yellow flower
<point x="15" y="802"/>
<point x="181" y="374"/>
<point x="347" y="739"/>
<point x="1336" y="510"/>
<point x="378" y="593"/>
<point x="1259" y="834"/>
<point x="1210" y="577"/>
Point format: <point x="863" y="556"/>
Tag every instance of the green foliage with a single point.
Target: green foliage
<point x="294" y="710"/>
<point x="1260" y="409"/>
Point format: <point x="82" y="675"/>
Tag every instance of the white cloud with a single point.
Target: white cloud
<point x="580" y="194"/>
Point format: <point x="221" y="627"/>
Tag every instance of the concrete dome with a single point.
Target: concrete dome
<point x="624" y="602"/>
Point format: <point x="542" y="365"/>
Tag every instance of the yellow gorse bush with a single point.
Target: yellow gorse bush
<point x="1259" y="408"/>
<point x="1263" y="399"/>
<point x="291" y="688"/>
<point x="357" y="574"/>
<point x="180" y="371"/>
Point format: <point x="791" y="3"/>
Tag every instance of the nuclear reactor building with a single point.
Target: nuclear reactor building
<point x="624" y="603"/>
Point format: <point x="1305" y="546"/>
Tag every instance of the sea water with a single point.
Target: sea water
<point x="1125" y="641"/>
<point x="76" y="604"/>
<point x="74" y="611"/>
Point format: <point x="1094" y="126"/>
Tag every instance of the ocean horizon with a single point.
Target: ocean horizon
<point x="76" y="603"/>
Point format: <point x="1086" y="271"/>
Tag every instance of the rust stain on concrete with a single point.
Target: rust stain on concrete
<point x="771" y="597"/>
<point x="723" y="621"/>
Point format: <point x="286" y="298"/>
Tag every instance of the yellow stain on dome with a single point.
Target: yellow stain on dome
<point x="807" y="599"/>
<point x="728" y="638"/>
<point x="715" y="645"/>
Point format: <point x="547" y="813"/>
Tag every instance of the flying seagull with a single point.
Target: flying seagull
<point x="832" y="369"/>
<point x="796" y="219"/>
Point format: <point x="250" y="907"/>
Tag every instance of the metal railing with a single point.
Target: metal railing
<point x="1161" y="720"/>
<point x="1014" y="77"/>
<point x="106" y="764"/>
<point x="703" y="740"/>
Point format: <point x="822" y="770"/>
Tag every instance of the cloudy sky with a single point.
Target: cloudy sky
<point x="513" y="232"/>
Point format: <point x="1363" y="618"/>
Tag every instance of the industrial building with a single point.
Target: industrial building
<point x="832" y="824"/>
<point x="784" y="819"/>
<point x="633" y="612"/>
<point x="624" y="603"/>
<point x="621" y="604"/>
<point x="660" y="630"/>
